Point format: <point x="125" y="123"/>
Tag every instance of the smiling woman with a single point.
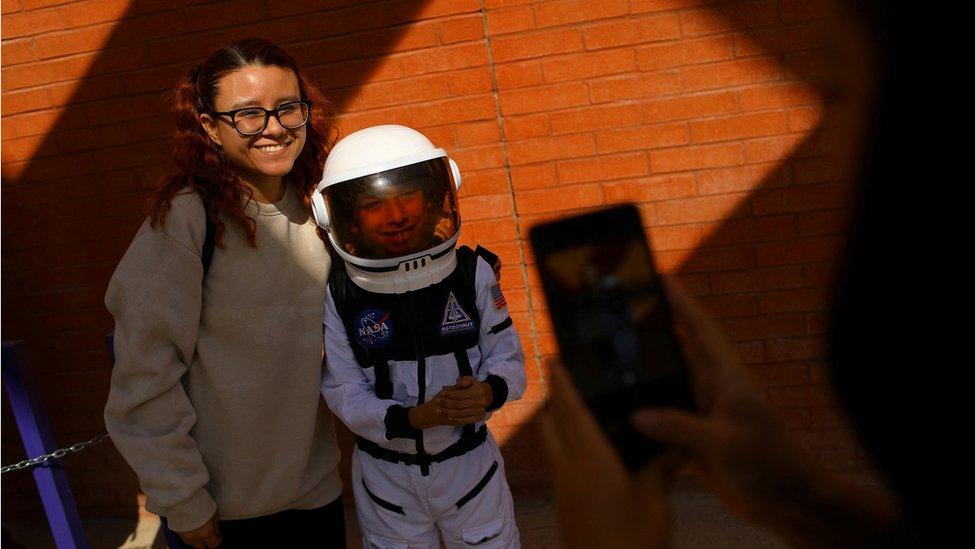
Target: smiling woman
<point x="214" y="399"/>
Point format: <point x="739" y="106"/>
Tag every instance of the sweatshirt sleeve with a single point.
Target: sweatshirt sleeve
<point x="503" y="361"/>
<point x="349" y="392"/>
<point x="155" y="297"/>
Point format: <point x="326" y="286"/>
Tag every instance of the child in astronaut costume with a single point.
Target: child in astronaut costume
<point x="419" y="346"/>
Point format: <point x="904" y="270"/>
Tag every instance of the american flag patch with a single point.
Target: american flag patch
<point x="497" y="296"/>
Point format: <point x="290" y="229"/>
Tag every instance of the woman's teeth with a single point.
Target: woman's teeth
<point x="270" y="149"/>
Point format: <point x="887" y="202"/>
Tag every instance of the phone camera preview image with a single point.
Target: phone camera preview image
<point x="612" y="322"/>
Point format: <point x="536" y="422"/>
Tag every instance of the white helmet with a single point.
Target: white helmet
<point x="388" y="199"/>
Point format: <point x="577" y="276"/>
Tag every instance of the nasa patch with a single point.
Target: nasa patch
<point x="373" y="328"/>
<point x="456" y="320"/>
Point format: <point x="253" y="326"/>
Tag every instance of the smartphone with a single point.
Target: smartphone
<point x="612" y="321"/>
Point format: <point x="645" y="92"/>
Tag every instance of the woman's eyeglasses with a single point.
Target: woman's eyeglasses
<point x="253" y="120"/>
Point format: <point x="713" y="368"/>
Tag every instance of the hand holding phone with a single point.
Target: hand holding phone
<point x="612" y="321"/>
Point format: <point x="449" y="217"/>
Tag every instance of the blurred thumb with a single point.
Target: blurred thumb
<point x="674" y="428"/>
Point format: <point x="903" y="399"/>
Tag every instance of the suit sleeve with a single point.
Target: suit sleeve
<point x="503" y="361"/>
<point x="350" y="394"/>
<point x="155" y="296"/>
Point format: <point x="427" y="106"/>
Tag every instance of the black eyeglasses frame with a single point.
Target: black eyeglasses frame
<point x="267" y="116"/>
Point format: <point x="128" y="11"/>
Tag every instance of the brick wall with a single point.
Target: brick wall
<point x="709" y="116"/>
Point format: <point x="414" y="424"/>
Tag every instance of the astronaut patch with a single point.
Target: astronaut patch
<point x="456" y="320"/>
<point x="373" y="328"/>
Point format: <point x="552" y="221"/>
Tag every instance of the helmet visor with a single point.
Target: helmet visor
<point x="395" y="213"/>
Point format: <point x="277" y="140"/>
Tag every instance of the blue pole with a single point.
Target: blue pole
<point x="35" y="431"/>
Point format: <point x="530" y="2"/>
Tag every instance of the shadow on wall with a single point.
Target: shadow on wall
<point x="71" y="207"/>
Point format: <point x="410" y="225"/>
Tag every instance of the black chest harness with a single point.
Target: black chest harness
<point x="437" y="320"/>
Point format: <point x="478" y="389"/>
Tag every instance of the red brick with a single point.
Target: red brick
<point x="675" y="238"/>
<point x="508" y="20"/>
<point x="491" y="181"/>
<point x="711" y="259"/>
<point x="828" y="222"/>
<point x="72" y="41"/>
<point x="562" y="12"/>
<point x="729" y="306"/>
<point x="762" y="279"/>
<point x="519" y="75"/>
<point x="802" y="10"/>
<point x="642" y="137"/>
<point x="479" y="158"/>
<point x="631" y="31"/>
<point x="643" y="6"/>
<point x="691" y="106"/>
<point x="780" y="374"/>
<point x="526" y="46"/>
<point x="688" y="158"/>
<point x="543" y="98"/>
<point x="741" y="178"/>
<point x="804" y="36"/>
<point x="533" y="177"/>
<point x="588" y="65"/>
<point x="445" y="58"/>
<point x="828" y="418"/>
<point x="461" y="29"/>
<point x="798" y="199"/>
<point x="448" y="111"/>
<point x="771" y="149"/>
<point x="738" y="15"/>
<point x="17" y="51"/>
<point x="659" y="187"/>
<point x="731" y="73"/>
<point x="18" y="25"/>
<point x="478" y="133"/>
<point x="470" y="82"/>
<point x="489" y="230"/>
<point x="765" y="326"/>
<point x="409" y="90"/>
<point x="527" y="126"/>
<point x="798" y="348"/>
<point x="602" y="168"/>
<point x="550" y="148"/>
<point x="559" y="198"/>
<point x="749" y="229"/>
<point x="25" y="101"/>
<point x="617" y="88"/>
<point x="778" y="95"/>
<point x="738" y="127"/>
<point x="809" y="65"/>
<point x="812" y="395"/>
<point x="797" y="251"/>
<point x="816" y="170"/>
<point x="691" y="210"/>
<point x="595" y="118"/>
<point x="685" y="52"/>
<point x="486" y="206"/>
<point x="804" y="119"/>
<point x="80" y="14"/>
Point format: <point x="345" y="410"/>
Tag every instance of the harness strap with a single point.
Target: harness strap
<point x="464" y="445"/>
<point x="384" y="385"/>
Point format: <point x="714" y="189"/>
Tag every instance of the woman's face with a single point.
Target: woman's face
<point x="269" y="155"/>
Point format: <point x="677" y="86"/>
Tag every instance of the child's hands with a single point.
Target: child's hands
<point x="465" y="402"/>
<point x="457" y="405"/>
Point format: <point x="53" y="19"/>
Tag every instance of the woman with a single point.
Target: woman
<point x="214" y="399"/>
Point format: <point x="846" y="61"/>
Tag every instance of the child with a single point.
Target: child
<point x="419" y="346"/>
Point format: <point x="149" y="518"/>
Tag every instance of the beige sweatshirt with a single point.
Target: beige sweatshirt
<point x="215" y="390"/>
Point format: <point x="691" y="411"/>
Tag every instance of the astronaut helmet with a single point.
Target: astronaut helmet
<point x="388" y="199"/>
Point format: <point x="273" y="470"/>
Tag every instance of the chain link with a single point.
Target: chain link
<point x="57" y="454"/>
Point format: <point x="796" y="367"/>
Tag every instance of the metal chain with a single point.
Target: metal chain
<point x="57" y="454"/>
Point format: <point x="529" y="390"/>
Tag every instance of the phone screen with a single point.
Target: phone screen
<point x="612" y="321"/>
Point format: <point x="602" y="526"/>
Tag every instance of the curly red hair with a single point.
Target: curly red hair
<point x="201" y="167"/>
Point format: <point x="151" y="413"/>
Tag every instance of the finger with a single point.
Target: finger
<point x="675" y="428"/>
<point x="461" y="404"/>
<point x="707" y="337"/>
<point x="468" y="420"/>
<point x="464" y="382"/>
<point x="455" y="415"/>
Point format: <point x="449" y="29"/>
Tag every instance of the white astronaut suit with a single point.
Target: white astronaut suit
<point x="409" y="315"/>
